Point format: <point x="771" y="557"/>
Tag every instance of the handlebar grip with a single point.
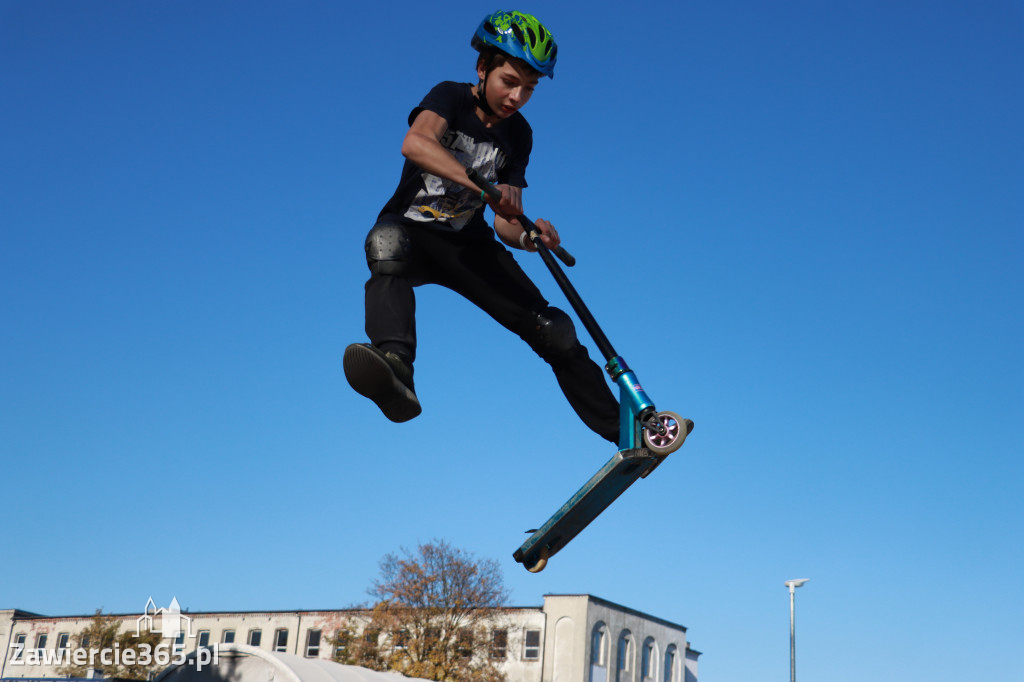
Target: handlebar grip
<point x="565" y="256"/>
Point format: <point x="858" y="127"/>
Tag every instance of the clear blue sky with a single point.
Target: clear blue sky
<point x="799" y="222"/>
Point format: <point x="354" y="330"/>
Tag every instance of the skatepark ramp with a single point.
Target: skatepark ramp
<point x="240" y="663"/>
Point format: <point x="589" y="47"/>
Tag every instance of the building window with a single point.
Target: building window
<point x="228" y="637"/>
<point x="431" y="640"/>
<point x="19" y="647"/>
<point x="62" y="641"/>
<point x="624" y="657"/>
<point x="464" y="643"/>
<point x="204" y="639"/>
<point x="648" y="660"/>
<point x="179" y="642"/>
<point x="255" y="636"/>
<point x="281" y="641"/>
<point x="599" y="645"/>
<point x="531" y="645"/>
<point x="312" y="643"/>
<point x="40" y="642"/>
<point x="670" y="664"/>
<point x="599" y="653"/>
<point x="499" y="644"/>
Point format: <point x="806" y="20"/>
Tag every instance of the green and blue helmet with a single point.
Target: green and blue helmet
<point x="519" y="35"/>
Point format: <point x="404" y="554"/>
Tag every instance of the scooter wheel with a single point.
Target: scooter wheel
<point x="676" y="431"/>
<point x="541" y="562"/>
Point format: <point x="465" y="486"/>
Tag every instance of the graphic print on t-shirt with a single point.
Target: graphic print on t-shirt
<point x="448" y="202"/>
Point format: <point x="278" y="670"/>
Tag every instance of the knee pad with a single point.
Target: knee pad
<point x="553" y="333"/>
<point x="388" y="250"/>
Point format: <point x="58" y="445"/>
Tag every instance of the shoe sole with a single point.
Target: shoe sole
<point x="372" y="377"/>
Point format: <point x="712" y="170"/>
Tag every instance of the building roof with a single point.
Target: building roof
<point x="624" y="609"/>
<point x="18" y="614"/>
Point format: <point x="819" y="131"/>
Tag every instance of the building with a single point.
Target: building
<point x="571" y="638"/>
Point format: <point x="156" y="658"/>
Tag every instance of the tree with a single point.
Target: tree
<point x="130" y="658"/>
<point x="436" y="614"/>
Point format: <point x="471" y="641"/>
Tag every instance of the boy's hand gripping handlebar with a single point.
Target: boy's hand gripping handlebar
<point x="531" y="229"/>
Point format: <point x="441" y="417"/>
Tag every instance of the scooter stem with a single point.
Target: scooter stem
<point x="636" y="410"/>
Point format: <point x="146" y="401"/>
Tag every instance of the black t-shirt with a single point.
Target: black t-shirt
<point x="499" y="153"/>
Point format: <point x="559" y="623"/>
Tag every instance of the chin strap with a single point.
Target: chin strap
<point x="481" y="99"/>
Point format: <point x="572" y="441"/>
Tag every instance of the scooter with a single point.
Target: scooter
<point x="646" y="436"/>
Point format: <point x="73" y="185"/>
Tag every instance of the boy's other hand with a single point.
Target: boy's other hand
<point x="548" y="233"/>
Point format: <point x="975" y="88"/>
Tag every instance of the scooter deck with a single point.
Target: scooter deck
<point x="620" y="472"/>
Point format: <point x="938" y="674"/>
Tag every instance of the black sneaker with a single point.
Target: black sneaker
<point x="384" y="378"/>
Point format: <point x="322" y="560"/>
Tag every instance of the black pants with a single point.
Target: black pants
<point x="477" y="266"/>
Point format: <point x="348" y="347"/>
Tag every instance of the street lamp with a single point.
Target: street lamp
<point x="792" y="585"/>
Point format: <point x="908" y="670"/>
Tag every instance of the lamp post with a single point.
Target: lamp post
<point x="792" y="585"/>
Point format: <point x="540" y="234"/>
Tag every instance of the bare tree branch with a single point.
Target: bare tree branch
<point x="435" y="612"/>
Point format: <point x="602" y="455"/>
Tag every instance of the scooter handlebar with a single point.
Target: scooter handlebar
<point x="531" y="229"/>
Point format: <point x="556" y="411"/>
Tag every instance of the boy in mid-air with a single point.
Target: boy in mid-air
<point x="432" y="230"/>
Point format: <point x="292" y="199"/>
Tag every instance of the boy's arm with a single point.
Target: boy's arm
<point x="422" y="145"/>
